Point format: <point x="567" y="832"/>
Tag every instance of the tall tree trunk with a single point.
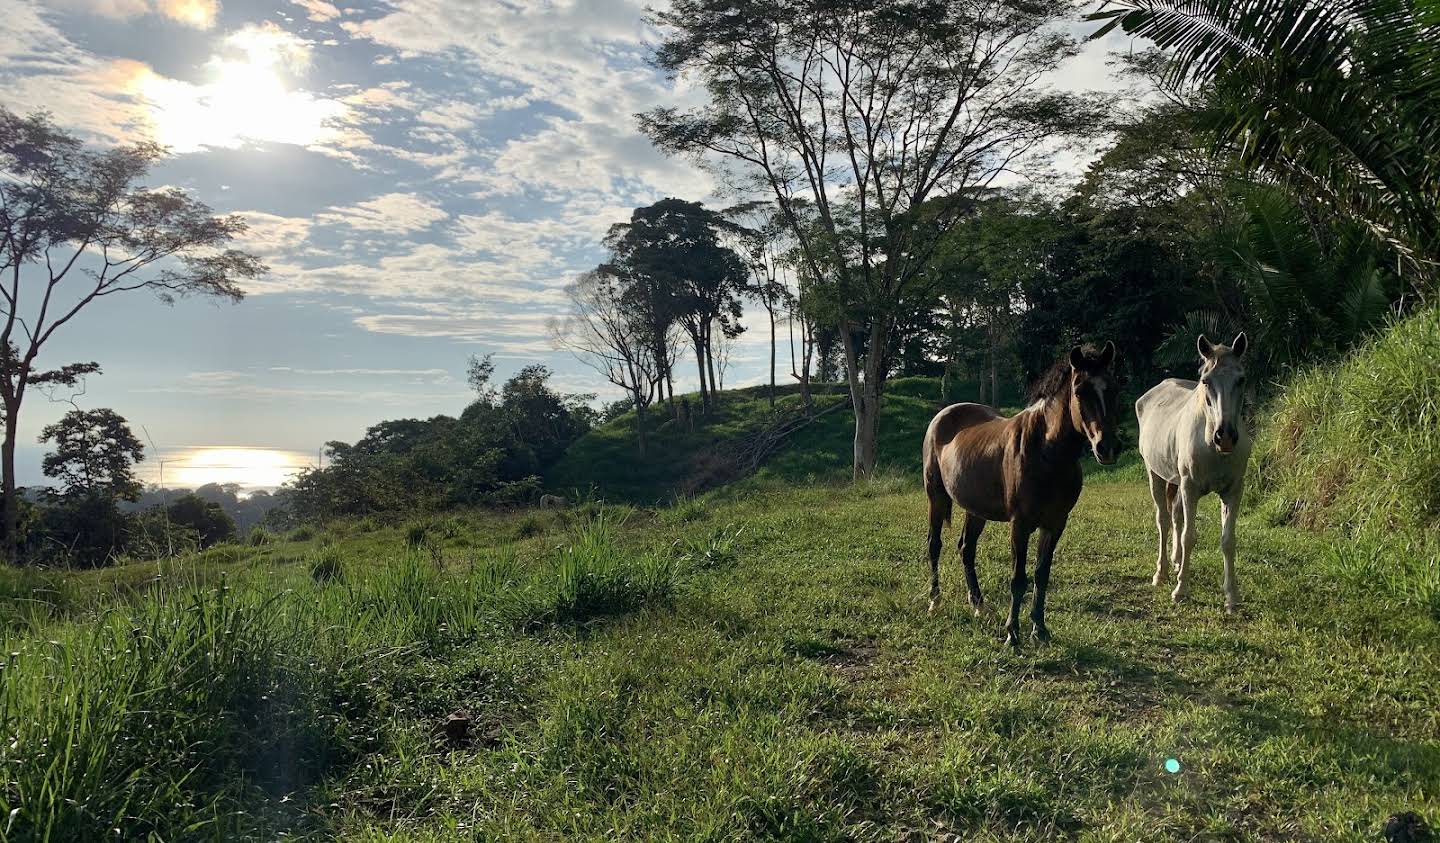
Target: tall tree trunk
<point x="771" y="311"/>
<point x="710" y="364"/>
<point x="994" y="368"/>
<point x="640" y="426"/>
<point x="864" y="398"/>
<point x="807" y="348"/>
<point x="12" y="502"/>
<point x="700" y="364"/>
<point x="662" y="359"/>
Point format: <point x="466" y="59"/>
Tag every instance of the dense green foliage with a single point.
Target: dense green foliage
<point x="1335" y="99"/>
<point x="497" y="451"/>
<point x="751" y="665"/>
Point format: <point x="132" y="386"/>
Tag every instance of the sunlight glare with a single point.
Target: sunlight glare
<point x="247" y="97"/>
<point x="251" y="468"/>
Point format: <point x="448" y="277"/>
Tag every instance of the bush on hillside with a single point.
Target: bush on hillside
<point x="495" y="453"/>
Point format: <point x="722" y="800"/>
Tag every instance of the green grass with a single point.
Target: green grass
<point x="764" y="670"/>
<point x="1354" y="447"/>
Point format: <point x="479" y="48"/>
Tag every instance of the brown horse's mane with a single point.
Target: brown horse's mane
<point x="1056" y="380"/>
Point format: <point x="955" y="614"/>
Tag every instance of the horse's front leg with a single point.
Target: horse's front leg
<point x="1019" y="546"/>
<point x="1043" y="554"/>
<point x="1162" y="525"/>
<point x="1229" y="510"/>
<point x="1185" y="526"/>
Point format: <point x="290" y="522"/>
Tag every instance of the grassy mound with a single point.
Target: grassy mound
<point x="1355" y="447"/>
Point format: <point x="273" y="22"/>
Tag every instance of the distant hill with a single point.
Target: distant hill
<point x="681" y="461"/>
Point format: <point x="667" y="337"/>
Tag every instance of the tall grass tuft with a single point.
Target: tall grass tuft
<point x="162" y="719"/>
<point x="594" y="577"/>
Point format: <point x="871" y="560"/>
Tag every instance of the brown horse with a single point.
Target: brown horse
<point x="1024" y="469"/>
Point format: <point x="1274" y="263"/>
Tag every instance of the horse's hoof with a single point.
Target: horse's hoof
<point x="934" y="604"/>
<point x="1157" y="580"/>
<point x="1178" y="595"/>
<point x="980" y="609"/>
<point x="1232" y="608"/>
<point x="1012" y="640"/>
<point x="1040" y="635"/>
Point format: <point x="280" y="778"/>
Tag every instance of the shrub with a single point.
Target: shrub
<point x="303" y="533"/>
<point x="685" y="510"/>
<point x="593" y="578"/>
<point x="530" y="526"/>
<point x="715" y="549"/>
<point x="327" y="566"/>
<point x="259" y="536"/>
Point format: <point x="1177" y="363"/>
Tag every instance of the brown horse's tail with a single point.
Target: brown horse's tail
<point x="940" y="503"/>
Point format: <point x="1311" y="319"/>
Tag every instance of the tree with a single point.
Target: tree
<point x="76" y="226"/>
<point x="207" y="518"/>
<point x="478" y="373"/>
<point x="95" y="454"/>
<point x="867" y="110"/>
<point x="674" y="268"/>
<point x="760" y="235"/>
<point x="604" y="334"/>
<point x="1336" y="99"/>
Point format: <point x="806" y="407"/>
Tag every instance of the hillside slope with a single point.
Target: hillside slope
<point x="683" y="462"/>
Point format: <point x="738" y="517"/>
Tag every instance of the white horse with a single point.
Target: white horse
<point x="1193" y="439"/>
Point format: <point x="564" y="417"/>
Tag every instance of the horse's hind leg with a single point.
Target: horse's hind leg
<point x="969" y="538"/>
<point x="1162" y="524"/>
<point x="1019" y="546"/>
<point x="1177" y="522"/>
<point x="939" y="515"/>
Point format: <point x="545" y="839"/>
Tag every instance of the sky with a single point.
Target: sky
<point x="421" y="176"/>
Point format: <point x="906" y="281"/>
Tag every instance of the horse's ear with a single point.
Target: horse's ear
<point x="1240" y="344"/>
<point x="1077" y="359"/>
<point x="1204" y="346"/>
<point x="1107" y="356"/>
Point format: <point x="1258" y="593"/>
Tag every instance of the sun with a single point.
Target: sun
<point x="248" y="95"/>
<point x="250" y="468"/>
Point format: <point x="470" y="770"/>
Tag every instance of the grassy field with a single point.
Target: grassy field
<point x="755" y="664"/>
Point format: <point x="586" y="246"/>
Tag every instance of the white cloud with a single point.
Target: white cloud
<point x="515" y="333"/>
<point x="584" y="57"/>
<point x="435" y="376"/>
<point x="391" y="213"/>
<point x="318" y="10"/>
<point x="273" y="236"/>
<point x="197" y="13"/>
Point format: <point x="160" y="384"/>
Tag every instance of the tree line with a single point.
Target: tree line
<point x="1286" y="183"/>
